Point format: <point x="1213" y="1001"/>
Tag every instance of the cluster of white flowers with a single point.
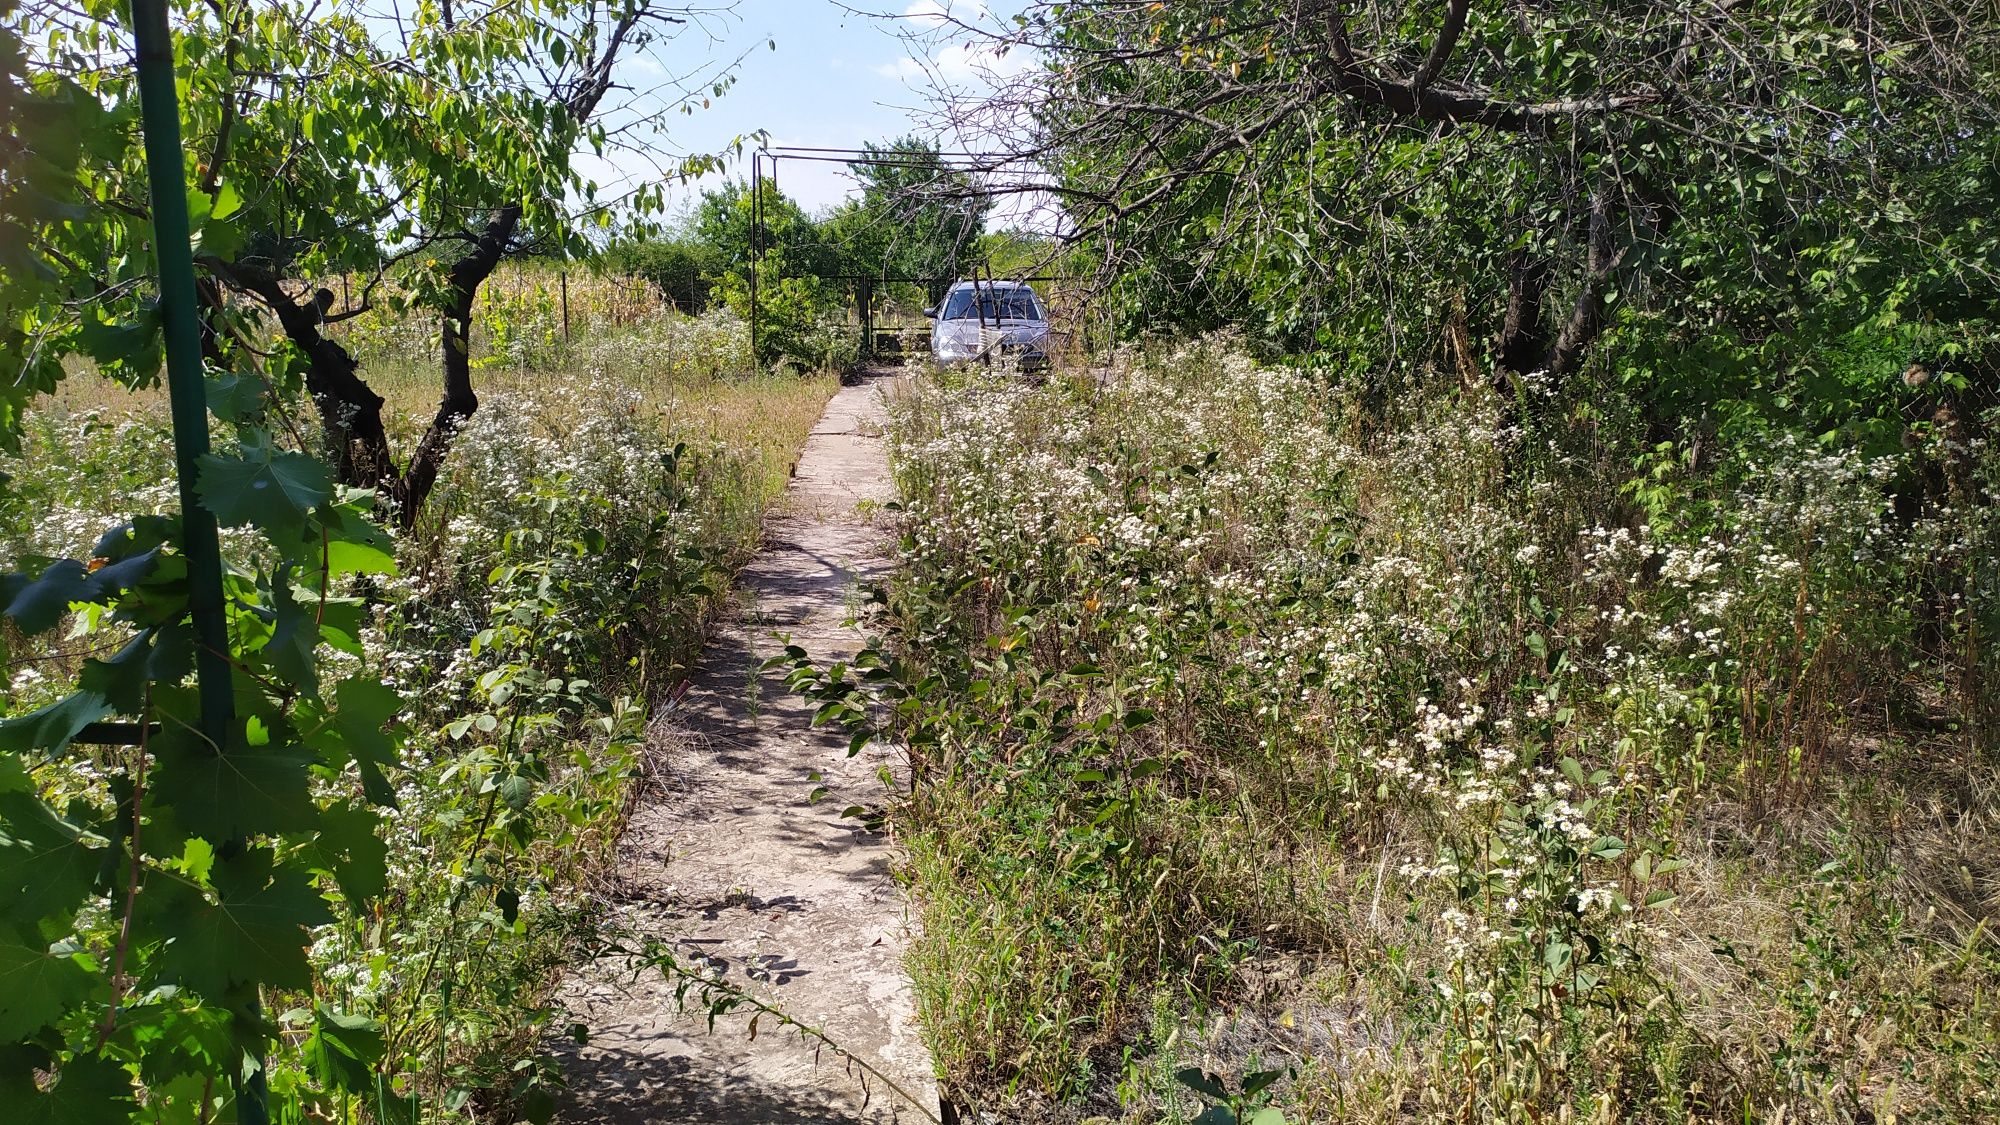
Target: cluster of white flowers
<point x="1399" y="621"/>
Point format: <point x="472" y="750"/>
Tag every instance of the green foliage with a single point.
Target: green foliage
<point x="1757" y="216"/>
<point x="800" y="302"/>
<point x="916" y="218"/>
<point x="457" y="791"/>
<point x="1245" y="723"/>
<point x="1243" y="1106"/>
<point x="683" y="270"/>
<point x="176" y="908"/>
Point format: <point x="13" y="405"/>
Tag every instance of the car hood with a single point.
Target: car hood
<point x="1013" y="331"/>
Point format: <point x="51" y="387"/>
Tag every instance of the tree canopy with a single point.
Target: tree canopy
<point x="1691" y="188"/>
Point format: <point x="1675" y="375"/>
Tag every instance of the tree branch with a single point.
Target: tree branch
<point x="1447" y="41"/>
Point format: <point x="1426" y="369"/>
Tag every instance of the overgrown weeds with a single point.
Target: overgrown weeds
<point x="589" y="518"/>
<point x="1451" y="767"/>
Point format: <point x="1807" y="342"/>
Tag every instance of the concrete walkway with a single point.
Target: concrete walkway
<point x="730" y="863"/>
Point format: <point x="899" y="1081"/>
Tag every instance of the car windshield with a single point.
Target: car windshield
<point x="994" y="304"/>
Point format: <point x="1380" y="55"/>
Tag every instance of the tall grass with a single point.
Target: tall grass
<point x="1417" y="761"/>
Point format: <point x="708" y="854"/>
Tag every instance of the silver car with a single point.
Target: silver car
<point x="1000" y="320"/>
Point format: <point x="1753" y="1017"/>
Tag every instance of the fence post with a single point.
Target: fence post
<point x="160" y="120"/>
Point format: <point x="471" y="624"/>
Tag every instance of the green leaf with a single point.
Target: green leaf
<point x="46" y="868"/>
<point x="344" y="1050"/>
<point x="1201" y="1082"/>
<point x="537" y="1105"/>
<point x="235" y="396"/>
<point x="89" y="1090"/>
<point x="349" y="847"/>
<point x="254" y="933"/>
<point x="272" y="491"/>
<point x="39" y="603"/>
<point x="516" y="791"/>
<point x="294" y="636"/>
<point x="1260" y="1081"/>
<point x="130" y="351"/>
<point x="228" y="201"/>
<point x="244" y="791"/>
<point x="51" y="728"/>
<point x="353" y="544"/>
<point x="37" y="987"/>
<point x="163" y="654"/>
<point x="1557" y="956"/>
<point x="1573" y="770"/>
<point x="365" y="721"/>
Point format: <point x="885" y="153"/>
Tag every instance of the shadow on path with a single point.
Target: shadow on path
<point x="733" y="863"/>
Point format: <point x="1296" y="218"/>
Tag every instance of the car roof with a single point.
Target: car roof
<point x="957" y="285"/>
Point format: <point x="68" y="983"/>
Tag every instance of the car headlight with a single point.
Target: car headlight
<point x="951" y="347"/>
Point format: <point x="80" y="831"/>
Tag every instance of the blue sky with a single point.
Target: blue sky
<point x="837" y="78"/>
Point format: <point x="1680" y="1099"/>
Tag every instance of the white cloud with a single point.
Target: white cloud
<point x="939" y="13"/>
<point x="961" y="62"/>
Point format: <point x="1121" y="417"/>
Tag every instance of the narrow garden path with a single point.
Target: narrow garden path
<point x="729" y="863"/>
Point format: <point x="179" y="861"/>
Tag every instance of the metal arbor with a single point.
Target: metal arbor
<point x="764" y="162"/>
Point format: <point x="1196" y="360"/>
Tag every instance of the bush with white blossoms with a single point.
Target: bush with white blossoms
<point x="1210" y="678"/>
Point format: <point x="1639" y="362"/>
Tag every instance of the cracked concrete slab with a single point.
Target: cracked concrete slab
<point x="732" y="864"/>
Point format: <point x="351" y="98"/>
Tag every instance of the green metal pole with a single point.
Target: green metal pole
<point x="161" y="119"/>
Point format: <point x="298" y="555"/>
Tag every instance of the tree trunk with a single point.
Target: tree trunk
<point x="1522" y="341"/>
<point x="459" y="401"/>
<point x="350" y="411"/>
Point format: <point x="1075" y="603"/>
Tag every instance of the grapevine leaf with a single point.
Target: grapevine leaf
<point x="162" y="654"/>
<point x="340" y="623"/>
<point x="293" y="637"/>
<point x="352" y="544"/>
<point x="37" y="604"/>
<point x="89" y="1090"/>
<point x="254" y="933"/>
<point x="51" y="728"/>
<point x="349" y="847"/>
<point x="19" y="1063"/>
<point x="243" y="791"/>
<point x="130" y="352"/>
<point x="46" y="871"/>
<point x="180" y="1039"/>
<point x="367" y="712"/>
<point x="234" y="396"/>
<point x="138" y="537"/>
<point x="274" y="491"/>
<point x="37" y="987"/>
<point x="108" y="579"/>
